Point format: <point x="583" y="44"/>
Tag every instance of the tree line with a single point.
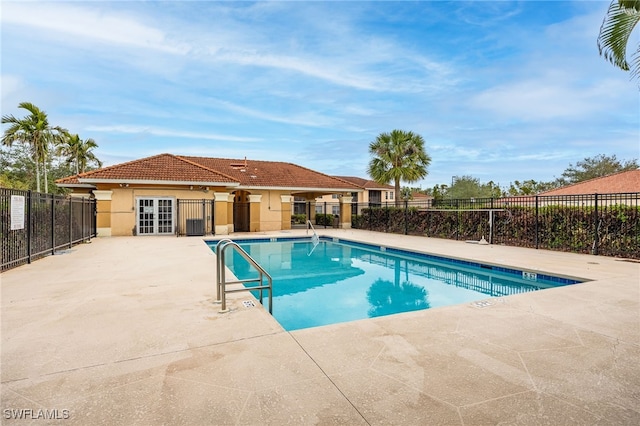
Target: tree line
<point x="463" y="187"/>
<point x="40" y="151"/>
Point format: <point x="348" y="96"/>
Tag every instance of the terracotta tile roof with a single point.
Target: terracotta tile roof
<point x="617" y="183"/>
<point x="420" y="196"/>
<point x="163" y="168"/>
<point x="203" y="170"/>
<point x="70" y="180"/>
<point x="272" y="174"/>
<point x="365" y="183"/>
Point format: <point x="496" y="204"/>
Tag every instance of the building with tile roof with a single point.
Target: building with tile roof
<point x="617" y="183"/>
<point x="373" y="194"/>
<point x="161" y="194"/>
<point x="617" y="188"/>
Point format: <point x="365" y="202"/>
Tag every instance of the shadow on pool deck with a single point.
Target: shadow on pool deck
<point x="124" y="331"/>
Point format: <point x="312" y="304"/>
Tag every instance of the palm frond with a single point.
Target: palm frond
<point x="615" y="31"/>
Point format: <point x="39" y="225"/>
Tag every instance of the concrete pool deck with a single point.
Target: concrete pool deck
<point x="124" y="331"/>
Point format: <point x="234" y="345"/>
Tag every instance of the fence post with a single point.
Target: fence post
<point x="354" y="217"/>
<point x="53" y="224"/>
<point x="536" y="227"/>
<point x="178" y="205"/>
<point x="204" y="217"/>
<point x="82" y="223"/>
<point x="324" y="210"/>
<point x="94" y="218"/>
<point x="213" y="217"/>
<point x="406" y="212"/>
<point x="29" y="200"/>
<point x="70" y="223"/>
<point x="457" y="219"/>
<point x="596" y="224"/>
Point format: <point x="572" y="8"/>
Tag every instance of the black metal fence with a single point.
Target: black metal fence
<point x="34" y="225"/>
<point x="327" y="214"/>
<point x="195" y="217"/>
<point x="605" y="224"/>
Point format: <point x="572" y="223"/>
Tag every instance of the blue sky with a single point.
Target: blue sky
<point x="499" y="90"/>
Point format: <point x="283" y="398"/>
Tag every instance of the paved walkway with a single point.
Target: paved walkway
<point x="124" y="331"/>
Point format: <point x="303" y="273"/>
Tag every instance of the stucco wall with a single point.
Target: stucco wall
<point x="271" y="210"/>
<point x="120" y="212"/>
<point x="123" y="204"/>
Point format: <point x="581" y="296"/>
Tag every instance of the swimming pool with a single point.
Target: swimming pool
<point x="340" y="280"/>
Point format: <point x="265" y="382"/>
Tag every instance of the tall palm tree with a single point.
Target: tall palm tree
<point x="34" y="129"/>
<point x="615" y="31"/>
<point x="398" y="156"/>
<point x="79" y="152"/>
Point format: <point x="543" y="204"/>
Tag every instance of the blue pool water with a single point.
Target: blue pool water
<point x="337" y="280"/>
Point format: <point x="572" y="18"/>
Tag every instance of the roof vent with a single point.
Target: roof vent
<point x="240" y="166"/>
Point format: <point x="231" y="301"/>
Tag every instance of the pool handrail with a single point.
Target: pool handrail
<point x="221" y="282"/>
<point x="315" y="240"/>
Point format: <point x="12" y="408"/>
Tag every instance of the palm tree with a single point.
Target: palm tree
<point x="79" y="152"/>
<point x="616" y="29"/>
<point x="34" y="130"/>
<point x="398" y="156"/>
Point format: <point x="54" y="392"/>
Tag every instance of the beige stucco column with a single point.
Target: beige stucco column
<point x="230" y="215"/>
<point x="286" y="201"/>
<point x="254" y="212"/>
<point x="223" y="200"/>
<point x="345" y="211"/>
<point x="103" y="212"/>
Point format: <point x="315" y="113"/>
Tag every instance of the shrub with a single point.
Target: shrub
<point x="299" y="218"/>
<point x="324" y="219"/>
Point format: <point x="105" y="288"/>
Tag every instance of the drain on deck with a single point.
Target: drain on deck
<point x="248" y="303"/>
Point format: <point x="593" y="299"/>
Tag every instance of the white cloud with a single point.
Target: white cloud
<point x="533" y="100"/>
<point x="157" y="131"/>
<point x="309" y="119"/>
<point x="82" y="24"/>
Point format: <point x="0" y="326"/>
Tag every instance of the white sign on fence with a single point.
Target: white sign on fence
<point x="17" y="212"/>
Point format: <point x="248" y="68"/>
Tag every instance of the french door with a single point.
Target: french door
<point x="155" y="216"/>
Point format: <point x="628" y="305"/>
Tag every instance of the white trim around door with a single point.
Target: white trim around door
<point x="155" y="215"/>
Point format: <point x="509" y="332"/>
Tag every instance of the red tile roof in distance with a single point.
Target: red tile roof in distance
<point x="365" y="183"/>
<point x="618" y="183"/>
<point x="162" y="167"/>
<point x="272" y="174"/>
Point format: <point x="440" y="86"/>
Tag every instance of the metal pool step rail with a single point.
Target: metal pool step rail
<point x="221" y="279"/>
<point x="315" y="240"/>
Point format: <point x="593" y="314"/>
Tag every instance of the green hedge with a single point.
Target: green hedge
<point x="299" y="218"/>
<point x="559" y="228"/>
<point x="323" y="219"/>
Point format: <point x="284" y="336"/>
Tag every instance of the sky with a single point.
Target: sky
<point x="499" y="90"/>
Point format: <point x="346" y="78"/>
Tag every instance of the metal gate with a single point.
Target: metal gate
<point x="241" y="217"/>
<point x="195" y="217"/>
